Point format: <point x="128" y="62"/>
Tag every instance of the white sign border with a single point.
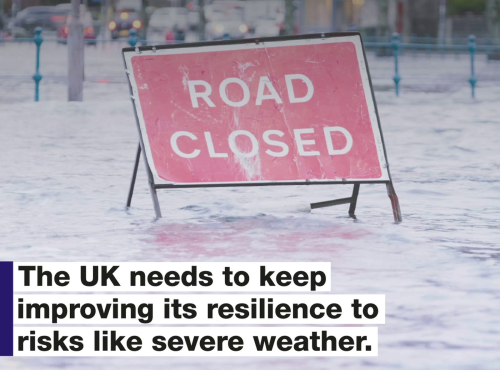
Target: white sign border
<point x="263" y="44"/>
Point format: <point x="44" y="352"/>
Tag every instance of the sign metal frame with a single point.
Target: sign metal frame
<point x="352" y="201"/>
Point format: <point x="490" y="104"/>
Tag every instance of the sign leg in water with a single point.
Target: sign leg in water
<point x="279" y="111"/>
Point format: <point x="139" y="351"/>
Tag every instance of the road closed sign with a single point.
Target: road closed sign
<point x="297" y="110"/>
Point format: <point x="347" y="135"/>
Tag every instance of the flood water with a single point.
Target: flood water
<point x="65" y="171"/>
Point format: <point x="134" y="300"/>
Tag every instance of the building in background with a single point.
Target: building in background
<point x="442" y="19"/>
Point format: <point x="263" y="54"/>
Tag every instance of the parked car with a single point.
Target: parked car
<point x="261" y="13"/>
<point x="123" y="22"/>
<point x="3" y="26"/>
<point x="270" y="26"/>
<point x="168" y="24"/>
<point x="194" y="18"/>
<point x="132" y="5"/>
<point x="225" y="22"/>
<point x="50" y="18"/>
<point x="89" y="33"/>
<point x="266" y="28"/>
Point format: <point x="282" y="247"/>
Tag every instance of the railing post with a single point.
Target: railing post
<point x="414" y="40"/>
<point x="395" y="46"/>
<point x="428" y="41"/>
<point x="488" y="52"/>
<point x="472" y="50"/>
<point x="132" y="39"/>
<point x="38" y="39"/>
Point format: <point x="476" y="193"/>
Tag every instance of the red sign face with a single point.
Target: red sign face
<point x="284" y="111"/>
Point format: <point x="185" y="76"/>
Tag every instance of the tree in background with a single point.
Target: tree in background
<point x="145" y="20"/>
<point x="493" y="17"/>
<point x="383" y="17"/>
<point x="289" y="17"/>
<point x="465" y="6"/>
<point x="202" y="20"/>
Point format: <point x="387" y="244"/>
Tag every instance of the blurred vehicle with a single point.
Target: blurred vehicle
<point x="123" y="22"/>
<point x="193" y="16"/>
<point x="225" y="22"/>
<point x="68" y="7"/>
<point x="231" y="3"/>
<point x="89" y="33"/>
<point x="132" y="5"/>
<point x="3" y="26"/>
<point x="168" y="24"/>
<point x="50" y="18"/>
<point x="266" y="18"/>
<point x="266" y="28"/>
<point x="252" y="10"/>
<point x="270" y="26"/>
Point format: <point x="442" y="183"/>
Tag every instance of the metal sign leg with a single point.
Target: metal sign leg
<point x="154" y="196"/>
<point x="151" y="183"/>
<point x="354" y="200"/>
<point x="152" y="188"/>
<point x="134" y="175"/>
<point x="396" y="210"/>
